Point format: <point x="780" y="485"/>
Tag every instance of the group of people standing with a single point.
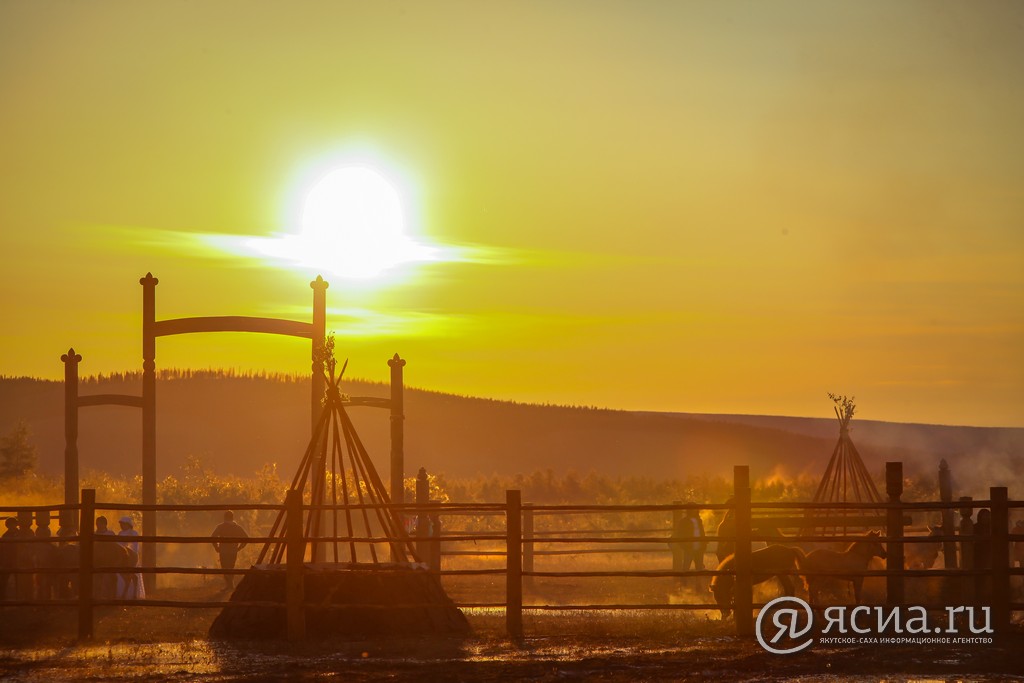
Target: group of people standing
<point x="16" y="555"/>
<point x="18" y="558"/>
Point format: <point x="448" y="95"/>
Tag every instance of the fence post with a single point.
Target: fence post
<point x="528" y="542"/>
<point x="1000" y="560"/>
<point x="966" y="549"/>
<point x="514" y="564"/>
<point x="946" y="496"/>
<point x="86" y="526"/>
<point x="949" y="583"/>
<point x="894" y="529"/>
<point x="744" y="606"/>
<point x="422" y="520"/>
<point x="294" y="556"/>
<point x="677" y="538"/>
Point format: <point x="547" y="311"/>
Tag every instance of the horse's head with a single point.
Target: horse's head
<point x="722" y="590"/>
<point x="870" y="545"/>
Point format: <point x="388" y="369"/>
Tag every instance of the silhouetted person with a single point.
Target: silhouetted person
<point x="46" y="558"/>
<point x="983" y="556"/>
<point x="695" y="545"/>
<point x="101" y="527"/>
<point x="9" y="547"/>
<point x="104" y="584"/>
<point x="727" y="528"/>
<point x="1017" y="559"/>
<point x="227" y="550"/>
<point x="25" y="561"/>
<point x="67" y="555"/>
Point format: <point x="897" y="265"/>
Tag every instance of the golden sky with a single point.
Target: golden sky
<point x="729" y="207"/>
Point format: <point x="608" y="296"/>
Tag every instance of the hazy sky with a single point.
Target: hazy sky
<point x="694" y="206"/>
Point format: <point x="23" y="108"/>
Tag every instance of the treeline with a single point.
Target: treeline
<point x="198" y="484"/>
<point x="175" y="374"/>
<point x="548" y="487"/>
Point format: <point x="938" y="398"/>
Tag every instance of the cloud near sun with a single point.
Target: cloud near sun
<point x="352" y="226"/>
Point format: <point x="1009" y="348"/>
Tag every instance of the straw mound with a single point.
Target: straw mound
<point x="344" y="599"/>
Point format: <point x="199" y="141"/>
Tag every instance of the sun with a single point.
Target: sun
<point x="352" y="225"/>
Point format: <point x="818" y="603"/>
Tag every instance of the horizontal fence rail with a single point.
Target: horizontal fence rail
<point x="500" y="540"/>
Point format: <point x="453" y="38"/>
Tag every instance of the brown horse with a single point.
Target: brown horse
<point x="854" y="559"/>
<point x="772" y="561"/>
<point x="922" y="555"/>
<point x="106" y="555"/>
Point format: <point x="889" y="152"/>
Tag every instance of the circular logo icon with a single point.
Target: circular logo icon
<point x="792" y="621"/>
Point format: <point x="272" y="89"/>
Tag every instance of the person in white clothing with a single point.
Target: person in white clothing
<point x="130" y="586"/>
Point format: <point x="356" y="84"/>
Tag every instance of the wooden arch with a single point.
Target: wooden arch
<point x="152" y="328"/>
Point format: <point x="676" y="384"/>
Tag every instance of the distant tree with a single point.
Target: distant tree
<point x="18" y="455"/>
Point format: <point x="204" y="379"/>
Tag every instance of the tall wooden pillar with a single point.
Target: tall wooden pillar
<point x="68" y="518"/>
<point x="149" y="284"/>
<point x="319" y="286"/>
<point x="397" y="430"/>
<point x="397" y="435"/>
<point x="318" y="551"/>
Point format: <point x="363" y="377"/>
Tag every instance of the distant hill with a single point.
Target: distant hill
<point x="237" y="424"/>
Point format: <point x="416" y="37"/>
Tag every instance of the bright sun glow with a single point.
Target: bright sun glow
<point x="352" y="225"/>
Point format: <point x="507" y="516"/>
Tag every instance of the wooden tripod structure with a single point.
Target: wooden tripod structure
<point x="337" y="471"/>
<point x="846" y="479"/>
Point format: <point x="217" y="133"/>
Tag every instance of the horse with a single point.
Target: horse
<point x="854" y="559"/>
<point x="922" y="555"/>
<point x="106" y="555"/>
<point x="765" y="563"/>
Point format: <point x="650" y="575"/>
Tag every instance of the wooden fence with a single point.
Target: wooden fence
<point x="518" y="543"/>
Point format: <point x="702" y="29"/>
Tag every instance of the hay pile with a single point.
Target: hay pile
<point x="344" y="599"/>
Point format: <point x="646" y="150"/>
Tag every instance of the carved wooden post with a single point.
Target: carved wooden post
<point x="1000" y="560"/>
<point x="397" y="429"/>
<point x="87" y="524"/>
<point x="422" y="520"/>
<point x="894" y="529"/>
<point x="68" y="519"/>
<point x="294" y="557"/>
<point x="149" y="284"/>
<point x="514" y="564"/>
<point x="744" y="578"/>
<point x="397" y="434"/>
<point x="528" y="542"/>
<point x="319" y="336"/>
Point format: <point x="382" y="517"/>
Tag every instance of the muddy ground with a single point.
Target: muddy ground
<point x="169" y="644"/>
<point x="144" y="644"/>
